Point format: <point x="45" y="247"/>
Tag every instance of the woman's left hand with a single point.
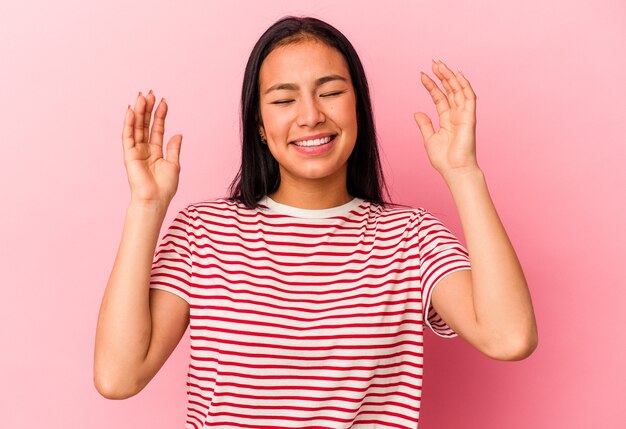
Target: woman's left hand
<point x="453" y="147"/>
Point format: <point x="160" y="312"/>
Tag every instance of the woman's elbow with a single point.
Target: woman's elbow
<point x="110" y="389"/>
<point x="520" y="349"/>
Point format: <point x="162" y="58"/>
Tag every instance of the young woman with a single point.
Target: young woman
<point x="306" y="293"/>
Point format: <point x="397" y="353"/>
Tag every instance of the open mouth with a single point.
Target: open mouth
<point x="317" y="147"/>
<point x="315" y="142"/>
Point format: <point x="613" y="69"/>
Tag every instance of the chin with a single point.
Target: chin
<point x="314" y="173"/>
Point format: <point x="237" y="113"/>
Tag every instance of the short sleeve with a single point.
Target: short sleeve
<point x="441" y="253"/>
<point x="172" y="263"/>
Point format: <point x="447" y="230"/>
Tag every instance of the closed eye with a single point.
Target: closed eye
<point x="323" y="95"/>
<point x="333" y="93"/>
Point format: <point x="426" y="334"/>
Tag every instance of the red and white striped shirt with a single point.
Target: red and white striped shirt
<point x="306" y="318"/>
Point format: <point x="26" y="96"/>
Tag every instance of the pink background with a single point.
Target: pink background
<point x="551" y="112"/>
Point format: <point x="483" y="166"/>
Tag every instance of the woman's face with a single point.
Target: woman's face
<point x="306" y="94"/>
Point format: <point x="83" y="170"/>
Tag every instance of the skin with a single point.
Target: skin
<point x="310" y="182"/>
<point x="138" y="327"/>
<point x="489" y="306"/>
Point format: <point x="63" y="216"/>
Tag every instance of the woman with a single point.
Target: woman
<point x="305" y="292"/>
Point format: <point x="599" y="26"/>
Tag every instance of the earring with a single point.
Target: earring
<point x="262" y="137"/>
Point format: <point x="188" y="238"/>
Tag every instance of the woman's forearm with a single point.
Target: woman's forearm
<point x="502" y="300"/>
<point x="124" y="323"/>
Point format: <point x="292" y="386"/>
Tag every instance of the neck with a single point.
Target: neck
<point x="312" y="194"/>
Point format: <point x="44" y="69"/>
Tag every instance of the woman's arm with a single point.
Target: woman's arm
<point x="138" y="328"/>
<point x="490" y="306"/>
<point x="502" y="308"/>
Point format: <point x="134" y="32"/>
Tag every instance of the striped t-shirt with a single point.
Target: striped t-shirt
<point x="306" y="318"/>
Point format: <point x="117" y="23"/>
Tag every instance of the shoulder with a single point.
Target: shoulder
<point x="215" y="203"/>
<point x="222" y="208"/>
<point x="410" y="215"/>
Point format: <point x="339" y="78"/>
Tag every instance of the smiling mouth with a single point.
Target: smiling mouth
<point x="315" y="142"/>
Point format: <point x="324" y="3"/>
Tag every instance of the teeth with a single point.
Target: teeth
<point x="315" y="142"/>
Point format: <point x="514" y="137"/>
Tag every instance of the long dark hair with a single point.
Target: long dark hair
<point x="259" y="172"/>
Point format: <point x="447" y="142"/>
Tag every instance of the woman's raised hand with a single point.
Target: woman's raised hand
<point x="452" y="148"/>
<point x="152" y="178"/>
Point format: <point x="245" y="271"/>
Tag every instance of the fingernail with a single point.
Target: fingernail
<point x="139" y="94"/>
<point x="150" y="92"/>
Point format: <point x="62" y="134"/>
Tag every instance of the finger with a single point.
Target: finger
<point x="128" y="141"/>
<point x="173" y="150"/>
<point x="459" y="97"/>
<point x="470" y="95"/>
<point x="140" y="107"/>
<point x="445" y="84"/>
<point x="158" y="127"/>
<point x="150" y="99"/>
<point x="425" y="125"/>
<point x="440" y="99"/>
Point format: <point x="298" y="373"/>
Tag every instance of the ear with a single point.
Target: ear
<point x="261" y="127"/>
<point x="261" y="131"/>
<point x="259" y="121"/>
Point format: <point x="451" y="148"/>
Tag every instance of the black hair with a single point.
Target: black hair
<point x="259" y="172"/>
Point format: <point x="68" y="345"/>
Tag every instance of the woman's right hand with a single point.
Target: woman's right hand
<point x="152" y="178"/>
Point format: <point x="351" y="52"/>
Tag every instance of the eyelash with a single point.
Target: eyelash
<point x="324" y="95"/>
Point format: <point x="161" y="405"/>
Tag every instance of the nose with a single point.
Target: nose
<point x="310" y="112"/>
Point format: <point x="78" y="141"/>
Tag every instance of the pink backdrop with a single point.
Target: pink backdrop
<point x="551" y="107"/>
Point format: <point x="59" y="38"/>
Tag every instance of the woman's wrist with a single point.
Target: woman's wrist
<point x="148" y="212"/>
<point x="454" y="176"/>
<point x="148" y="206"/>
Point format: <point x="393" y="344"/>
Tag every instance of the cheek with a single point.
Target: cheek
<point x="348" y="114"/>
<point x="348" y="108"/>
<point x="276" y="122"/>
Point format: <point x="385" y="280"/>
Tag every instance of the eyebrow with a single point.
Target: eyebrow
<point x="293" y="86"/>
